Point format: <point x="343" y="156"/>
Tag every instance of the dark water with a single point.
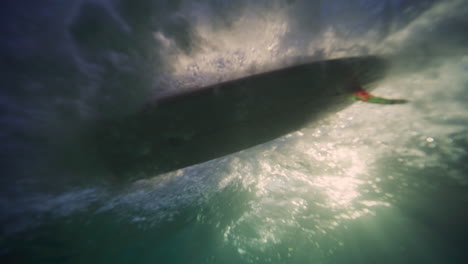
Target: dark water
<point x="369" y="184"/>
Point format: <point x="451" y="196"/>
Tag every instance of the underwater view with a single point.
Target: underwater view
<point x="360" y="182"/>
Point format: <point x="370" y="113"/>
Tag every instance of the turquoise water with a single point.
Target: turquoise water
<point x="369" y="184"/>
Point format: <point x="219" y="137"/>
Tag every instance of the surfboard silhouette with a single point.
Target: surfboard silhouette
<point x="195" y="126"/>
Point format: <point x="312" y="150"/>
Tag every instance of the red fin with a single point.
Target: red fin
<point x="362" y="95"/>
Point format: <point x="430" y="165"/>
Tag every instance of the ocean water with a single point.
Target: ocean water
<point x="368" y="184"/>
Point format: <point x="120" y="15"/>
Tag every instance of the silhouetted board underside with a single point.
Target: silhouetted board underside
<point x="195" y="126"/>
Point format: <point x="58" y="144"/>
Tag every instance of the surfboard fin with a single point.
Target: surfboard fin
<point x="362" y="95"/>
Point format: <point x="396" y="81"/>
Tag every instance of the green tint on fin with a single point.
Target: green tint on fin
<point x="362" y="95"/>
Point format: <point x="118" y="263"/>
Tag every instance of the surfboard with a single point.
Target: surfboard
<point x="191" y="127"/>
